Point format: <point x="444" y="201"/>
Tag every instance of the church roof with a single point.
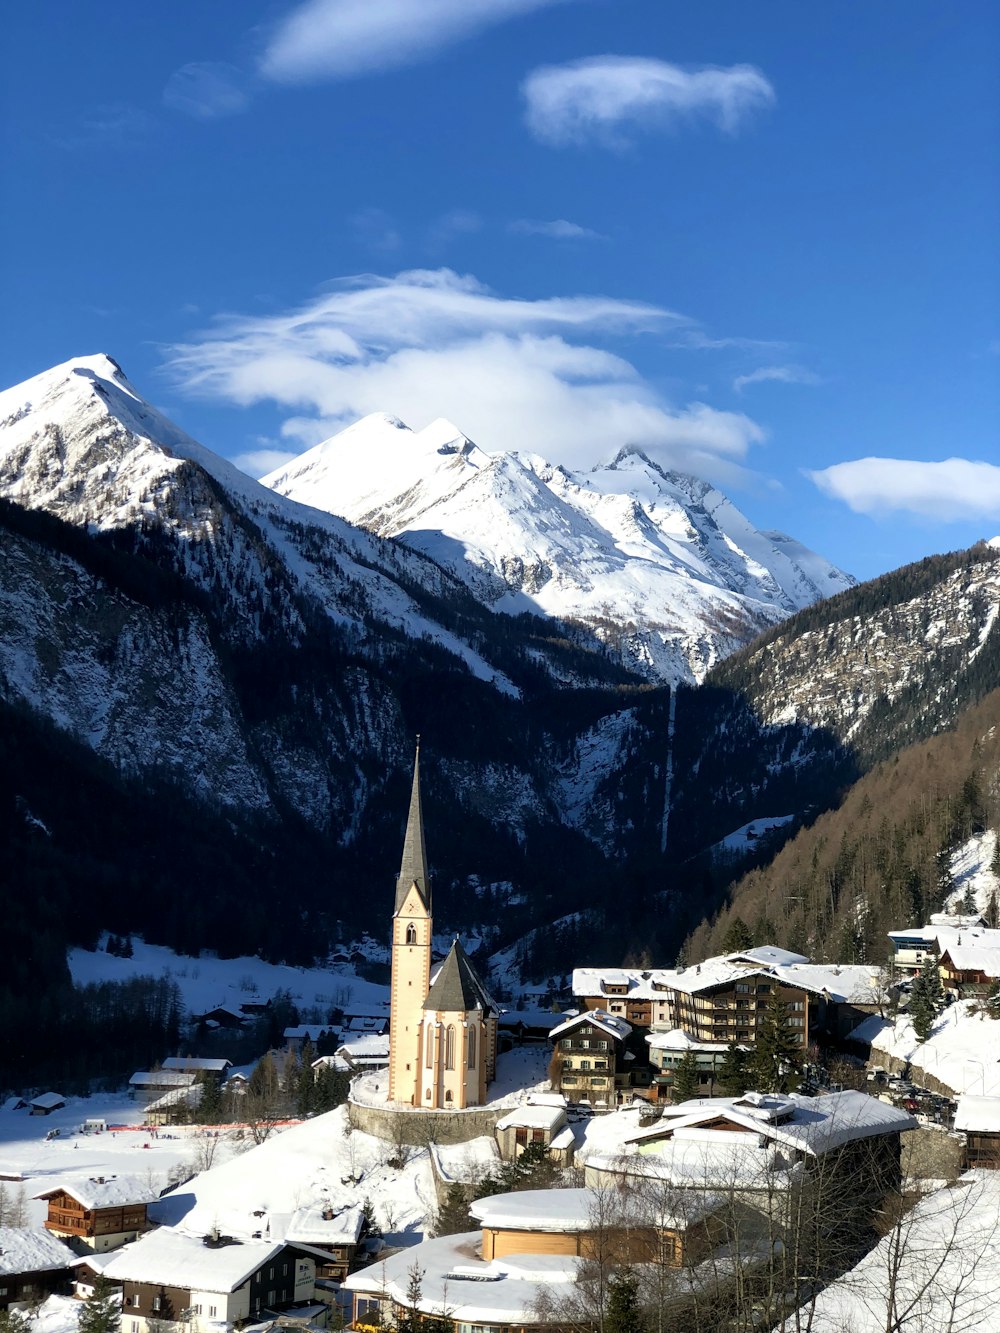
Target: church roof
<point x="457" y="987"/>
<point x="413" y="870"/>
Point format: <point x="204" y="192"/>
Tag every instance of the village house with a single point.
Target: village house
<point x="297" y="1036"/>
<point x="978" y="1118"/>
<point x="207" y="1282"/>
<point x="758" y="1149"/>
<point x="148" y="1084"/>
<point x="177" y="1107"/>
<point x="541" y="1120"/>
<point x="969" y="969"/>
<point x="368" y="1051"/>
<point x="199" y="1066"/>
<point x="589" y="1056"/>
<point x="527" y="1257"/>
<point x="101" y="1213"/>
<point x="914" y="945"/>
<point x="221" y="1017"/>
<point x="33" y="1265"/>
<point x="46" y="1103"/>
<point x="335" y="1235"/>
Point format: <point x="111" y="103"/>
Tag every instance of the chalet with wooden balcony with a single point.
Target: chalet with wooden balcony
<point x="33" y="1265"/>
<point x="206" y="1282"/>
<point x="99" y="1214"/>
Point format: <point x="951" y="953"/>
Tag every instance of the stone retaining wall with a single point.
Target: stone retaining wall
<point x="419" y="1128"/>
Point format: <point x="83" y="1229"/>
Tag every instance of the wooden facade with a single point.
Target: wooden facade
<point x="587" y="1059"/>
<point x="68" y="1218"/>
<point x="29" y="1288"/>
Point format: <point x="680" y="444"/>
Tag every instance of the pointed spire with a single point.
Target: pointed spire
<point x="413" y="869"/>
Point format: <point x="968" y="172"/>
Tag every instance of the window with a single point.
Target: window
<point x="134" y="1298"/>
<point x="602" y="1045"/>
<point x="271" y="1274"/>
<point x="429" y="1058"/>
<point x="156" y="1302"/>
<point x="197" y="1309"/>
<point x="584" y="1064"/>
<point x="213" y="1310"/>
<point x="272" y="1296"/>
<point x="585" y="1044"/>
<point x="135" y="1325"/>
<point x="449" y="1047"/>
<point x="566" y="1043"/>
<point x="763" y="990"/>
<point x="448" y="1096"/>
<point x="742" y="988"/>
<point x="284" y="1270"/>
<point x="411" y="933"/>
<point x="472" y="1048"/>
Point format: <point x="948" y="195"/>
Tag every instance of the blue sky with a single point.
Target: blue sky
<point x="759" y="240"/>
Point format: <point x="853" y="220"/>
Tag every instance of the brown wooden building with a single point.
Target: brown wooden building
<point x="588" y="1057"/>
<point x="99" y="1214"/>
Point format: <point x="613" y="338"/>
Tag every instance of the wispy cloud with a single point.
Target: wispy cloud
<point x="112" y="125"/>
<point x="207" y="90"/>
<point x="456" y="222"/>
<point x="376" y="229"/>
<point x="777" y="375"/>
<point x="510" y="372"/>
<point x="259" y="462"/>
<point x="604" y="98"/>
<point x="341" y="39"/>
<point x="954" y="489"/>
<point x="558" y="230"/>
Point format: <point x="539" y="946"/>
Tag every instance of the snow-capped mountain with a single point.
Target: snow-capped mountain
<point x="660" y="567"/>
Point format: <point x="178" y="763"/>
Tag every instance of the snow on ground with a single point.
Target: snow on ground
<point x="74" y="1156"/>
<point x="936" y="1271"/>
<point x="312" y="1164"/>
<point x="466" y="1162"/>
<point x="970" y="869"/>
<point x="742" y="839"/>
<point x="207" y="982"/>
<point x="605" y="1135"/>
<point x="58" y="1314"/>
<point x="962" y="1051"/>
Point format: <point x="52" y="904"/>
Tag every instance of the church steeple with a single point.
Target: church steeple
<point x="413" y="870"/>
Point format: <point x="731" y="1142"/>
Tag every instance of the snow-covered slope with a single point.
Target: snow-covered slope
<point x="660" y="567"/>
<point x="81" y="443"/>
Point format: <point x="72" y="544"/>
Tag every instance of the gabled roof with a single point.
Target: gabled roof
<point x="413" y="869"/>
<point x="197" y="1064"/>
<point x="175" y="1259"/>
<point x="457" y="987"/>
<point x="162" y="1078"/>
<point x="104" y="1191"/>
<point x="610" y="1023"/>
<point x="24" y="1250"/>
<point x="49" y="1101"/>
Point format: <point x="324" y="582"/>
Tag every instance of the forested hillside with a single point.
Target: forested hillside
<point x="880" y="860"/>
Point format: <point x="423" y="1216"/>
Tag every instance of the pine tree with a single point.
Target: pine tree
<point x="738" y="936"/>
<point x="926" y="998"/>
<point x="734" y="1072"/>
<point x="685" y="1081"/>
<point x="777" y="1050"/>
<point x="210" y="1106"/>
<point x="453" y="1214"/>
<point x="14" y="1321"/>
<point x="624" y="1311"/>
<point x="101" y="1312"/>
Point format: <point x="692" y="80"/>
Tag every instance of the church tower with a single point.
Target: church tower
<point x="411" y="954"/>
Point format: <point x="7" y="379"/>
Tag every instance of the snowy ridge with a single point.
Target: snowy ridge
<point x="661" y="567"/>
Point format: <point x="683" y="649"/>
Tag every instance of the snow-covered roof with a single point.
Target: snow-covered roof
<point x="367" y="1046"/>
<point x="678" y="1040"/>
<point x="609" y="1023"/>
<point x="956" y="919"/>
<point x="812" y="1125"/>
<point x="844" y="983"/>
<point x="177" y="1097"/>
<point x="103" y="1191"/>
<point x="978" y="1115"/>
<point x="456" y="1283"/>
<point x="534" y="1117"/>
<point x="947" y="937"/>
<point x="162" y="1078"/>
<point x="974" y="958"/>
<point x="176" y="1259"/>
<point x="24" y="1250"/>
<point x="49" y="1101"/>
<point x="311" y="1226"/>
<point x="197" y="1063"/>
<point x="581" y="1210"/>
<point x="768" y="954"/>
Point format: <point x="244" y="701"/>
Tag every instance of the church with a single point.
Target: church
<point x="442" y="1027"/>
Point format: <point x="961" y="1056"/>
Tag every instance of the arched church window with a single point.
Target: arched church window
<point x="472" y="1048"/>
<point x="429" y="1059"/>
<point x="449" y="1047"/>
<point x="411" y="933"/>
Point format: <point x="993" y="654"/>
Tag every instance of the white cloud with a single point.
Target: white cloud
<point x="511" y="373"/>
<point x="557" y="230"/>
<point x="952" y="490"/>
<point x="604" y="97"/>
<point x="777" y="374"/>
<point x="340" y="39"/>
<point x="259" y="462"/>
<point x="207" y="90"/>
